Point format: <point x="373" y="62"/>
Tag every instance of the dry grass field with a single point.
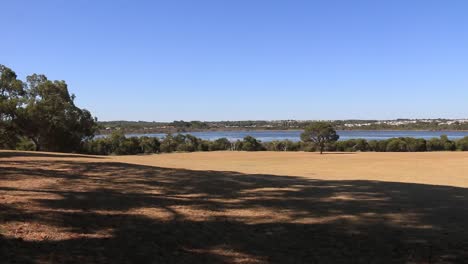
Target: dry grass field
<point x="234" y="207"/>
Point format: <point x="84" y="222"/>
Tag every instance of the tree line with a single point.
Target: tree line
<point x="118" y="144"/>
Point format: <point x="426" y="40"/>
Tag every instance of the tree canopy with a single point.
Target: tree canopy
<point x="42" y="111"/>
<point x="320" y="133"/>
<point x="11" y="97"/>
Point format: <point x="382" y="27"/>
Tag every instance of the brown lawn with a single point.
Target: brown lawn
<point x="234" y="207"/>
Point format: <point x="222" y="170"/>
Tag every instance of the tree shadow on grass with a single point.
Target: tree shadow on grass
<point x="107" y="212"/>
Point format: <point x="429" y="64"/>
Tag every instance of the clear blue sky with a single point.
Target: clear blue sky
<point x="246" y="59"/>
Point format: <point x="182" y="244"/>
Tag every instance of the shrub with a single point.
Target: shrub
<point x="416" y="144"/>
<point x="25" y="144"/>
<point x="396" y="145"/>
<point x="308" y="147"/>
<point x="434" y="144"/>
<point x="220" y="144"/>
<point x="99" y="146"/>
<point x="129" y="146"/>
<point x="352" y="145"/>
<point x="238" y="145"/>
<point x="251" y="144"/>
<point x="442" y="143"/>
<point x="168" y="144"/>
<point x="282" y="145"/>
<point x="204" y="145"/>
<point x="462" y="144"/>
<point x="150" y="144"/>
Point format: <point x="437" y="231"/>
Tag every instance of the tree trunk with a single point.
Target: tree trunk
<point x="37" y="148"/>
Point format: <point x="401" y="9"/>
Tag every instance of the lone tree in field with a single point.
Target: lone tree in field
<point x="320" y="133"/>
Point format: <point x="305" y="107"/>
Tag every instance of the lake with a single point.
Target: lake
<point x="266" y="136"/>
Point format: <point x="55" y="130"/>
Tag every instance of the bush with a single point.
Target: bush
<point x="168" y="144"/>
<point x="396" y="145"/>
<point x="251" y="144"/>
<point x="129" y="146"/>
<point x="462" y="144"/>
<point x="204" y="145"/>
<point x="220" y="144"/>
<point x="282" y="145"/>
<point x="352" y="145"/>
<point x="442" y="143"/>
<point x="238" y="145"/>
<point x="150" y="144"/>
<point x="308" y="147"/>
<point x="99" y="146"/>
<point x="25" y="144"/>
<point x="416" y="144"/>
<point x="434" y="144"/>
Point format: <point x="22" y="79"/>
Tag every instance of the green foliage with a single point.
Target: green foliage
<point x="415" y="144"/>
<point x="435" y="144"/>
<point x="184" y="126"/>
<point x="150" y="144"/>
<point x="282" y="145"/>
<point x="382" y="145"/>
<point x="320" y="133"/>
<point x="352" y="145"/>
<point x="308" y="147"/>
<point x="44" y="112"/>
<point x="238" y="145"/>
<point x="251" y="144"/>
<point x="99" y="146"/>
<point x="11" y="98"/>
<point x="396" y="145"/>
<point x="117" y="143"/>
<point x="448" y="144"/>
<point x="25" y="144"/>
<point x="291" y="146"/>
<point x="129" y="146"/>
<point x="462" y="144"/>
<point x="168" y="144"/>
<point x="220" y="144"/>
<point x="204" y="145"/>
<point x="187" y="143"/>
<point x="442" y="143"/>
<point x="51" y="119"/>
<point x="184" y="143"/>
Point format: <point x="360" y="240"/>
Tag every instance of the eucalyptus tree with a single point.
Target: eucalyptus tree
<point x="11" y="98"/>
<point x="50" y="117"/>
<point x="320" y="133"/>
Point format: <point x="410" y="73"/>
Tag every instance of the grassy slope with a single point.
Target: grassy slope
<point x="64" y="208"/>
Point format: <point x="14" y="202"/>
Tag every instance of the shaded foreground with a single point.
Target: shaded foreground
<point x="79" y="209"/>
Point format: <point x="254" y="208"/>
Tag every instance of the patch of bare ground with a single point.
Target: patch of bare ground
<point x="227" y="207"/>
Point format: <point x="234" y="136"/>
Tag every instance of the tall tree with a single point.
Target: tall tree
<point x="11" y="92"/>
<point x="320" y="133"/>
<point x="51" y="119"/>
